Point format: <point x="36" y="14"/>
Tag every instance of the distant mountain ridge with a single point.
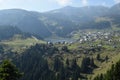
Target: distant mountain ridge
<point x="62" y="22"/>
<point x="8" y="32"/>
<point x="24" y="20"/>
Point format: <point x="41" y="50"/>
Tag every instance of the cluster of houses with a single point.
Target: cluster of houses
<point x="95" y="36"/>
<point x="108" y="37"/>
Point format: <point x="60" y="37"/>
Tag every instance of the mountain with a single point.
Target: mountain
<point x="79" y="12"/>
<point x="24" y="20"/>
<point x="62" y="22"/>
<point x="115" y="9"/>
<point x="68" y="19"/>
<point x="114" y="15"/>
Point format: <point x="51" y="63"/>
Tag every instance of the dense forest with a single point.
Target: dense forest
<point x="37" y="67"/>
<point x="42" y="61"/>
<point x="45" y="61"/>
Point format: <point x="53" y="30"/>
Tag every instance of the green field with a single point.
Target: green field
<point x="20" y="44"/>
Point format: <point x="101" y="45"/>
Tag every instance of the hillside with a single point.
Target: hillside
<point x="63" y="61"/>
<point x="88" y="58"/>
<point x="7" y="32"/>
<point x="14" y="39"/>
<point x="24" y="20"/>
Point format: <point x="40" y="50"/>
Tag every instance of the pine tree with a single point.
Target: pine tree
<point x="67" y="62"/>
<point x="106" y="58"/>
<point x="92" y="64"/>
<point x="75" y="70"/>
<point x="57" y="64"/>
<point x="85" y="64"/>
<point x="98" y="57"/>
<point x="8" y="71"/>
<point x="1" y="49"/>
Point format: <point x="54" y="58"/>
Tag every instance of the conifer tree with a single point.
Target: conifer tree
<point x="1" y="49"/>
<point x="8" y="71"/>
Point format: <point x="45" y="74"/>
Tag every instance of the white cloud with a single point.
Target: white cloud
<point x="85" y="2"/>
<point x="117" y="1"/>
<point x="64" y="2"/>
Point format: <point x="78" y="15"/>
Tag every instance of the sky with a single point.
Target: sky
<point x="47" y="5"/>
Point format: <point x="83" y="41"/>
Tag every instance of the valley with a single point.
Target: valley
<point x="102" y="48"/>
<point x="70" y="43"/>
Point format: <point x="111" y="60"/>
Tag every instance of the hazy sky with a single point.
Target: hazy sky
<point x="45" y="5"/>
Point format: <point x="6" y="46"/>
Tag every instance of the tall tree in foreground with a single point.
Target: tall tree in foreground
<point x="8" y="71"/>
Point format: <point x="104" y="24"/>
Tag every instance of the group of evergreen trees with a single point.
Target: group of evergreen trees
<point x="67" y="71"/>
<point x="112" y="74"/>
<point x="87" y="65"/>
<point x="8" y="71"/>
<point x="40" y="63"/>
<point x="35" y="66"/>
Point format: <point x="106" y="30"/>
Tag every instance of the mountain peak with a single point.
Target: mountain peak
<point x="115" y="8"/>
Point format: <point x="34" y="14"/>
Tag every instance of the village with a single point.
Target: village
<point x="92" y="42"/>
